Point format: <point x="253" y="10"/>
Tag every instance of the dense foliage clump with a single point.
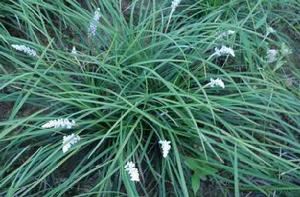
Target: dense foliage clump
<point x="149" y="98"/>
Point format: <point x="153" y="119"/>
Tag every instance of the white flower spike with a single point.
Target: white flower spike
<point x="93" y="24"/>
<point x="272" y="55"/>
<point x="223" y="51"/>
<point x="132" y="171"/>
<point x="165" y="146"/>
<point x="68" y="141"/>
<point x="175" y="4"/>
<point x="59" y="123"/>
<point x="24" y="49"/>
<point x="216" y="82"/>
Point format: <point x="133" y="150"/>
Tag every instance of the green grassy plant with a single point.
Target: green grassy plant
<point x="138" y="81"/>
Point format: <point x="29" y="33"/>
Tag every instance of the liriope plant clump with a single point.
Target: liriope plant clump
<point x="149" y="98"/>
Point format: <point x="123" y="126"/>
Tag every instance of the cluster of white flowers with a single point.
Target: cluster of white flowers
<point x="226" y="33"/>
<point x="68" y="141"/>
<point x="165" y="146"/>
<point x="216" y="82"/>
<point x="223" y="51"/>
<point x="93" y="24"/>
<point x="272" y="55"/>
<point x="132" y="171"/>
<point x="59" y="123"/>
<point x="175" y="4"/>
<point x="25" y="49"/>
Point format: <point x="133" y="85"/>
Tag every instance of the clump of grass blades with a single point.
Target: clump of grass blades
<point x="138" y="81"/>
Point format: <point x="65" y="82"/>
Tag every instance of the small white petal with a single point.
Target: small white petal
<point x="74" y="51"/>
<point x="66" y="147"/>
